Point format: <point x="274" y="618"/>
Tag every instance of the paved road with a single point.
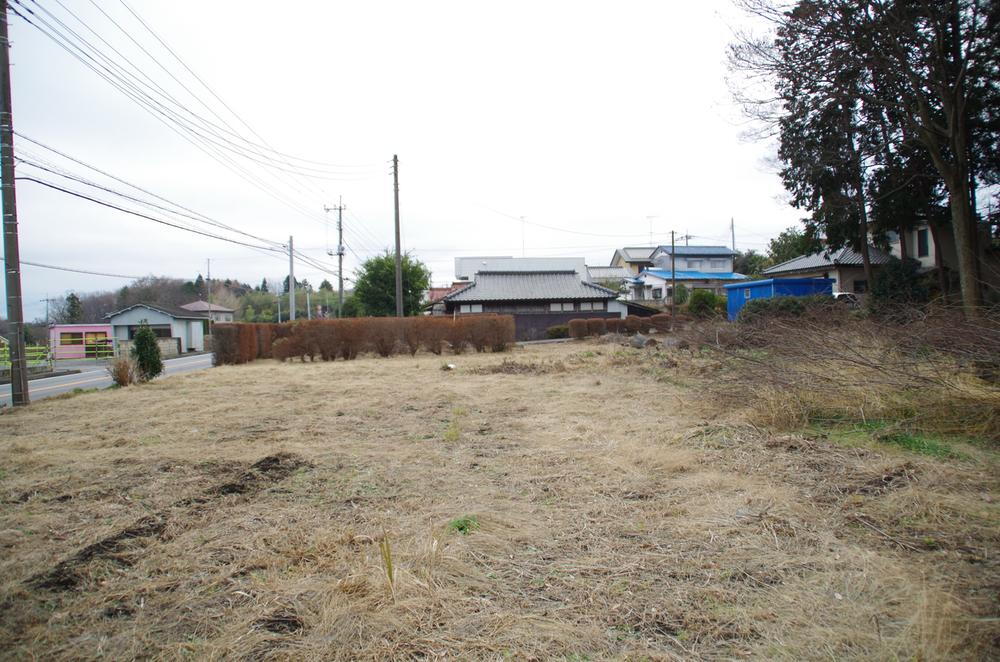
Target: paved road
<point x="97" y="377"/>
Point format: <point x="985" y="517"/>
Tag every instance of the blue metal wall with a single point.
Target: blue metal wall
<point x="737" y="294"/>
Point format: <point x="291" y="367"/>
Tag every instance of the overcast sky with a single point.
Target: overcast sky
<point x="601" y="120"/>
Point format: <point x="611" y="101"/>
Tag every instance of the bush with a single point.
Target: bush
<point x="596" y="326"/>
<point x="645" y="326"/>
<point x="578" y="329"/>
<point x="350" y="337"/>
<point x="435" y="333"/>
<point x="632" y="324"/>
<point x="457" y="334"/>
<point x="702" y="303"/>
<point x="660" y="322"/>
<point x="898" y="283"/>
<point x="122" y="371"/>
<point x="557" y="331"/>
<point x="758" y="310"/>
<point x="411" y="333"/>
<point x="146" y="353"/>
<point x="501" y="333"/>
<point x="681" y="294"/>
<point x="224" y="337"/>
<point x="614" y="325"/>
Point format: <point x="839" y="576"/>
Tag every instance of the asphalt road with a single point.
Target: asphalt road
<point x="97" y="377"/>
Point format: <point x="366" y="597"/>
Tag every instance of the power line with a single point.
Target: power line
<point x="77" y="194"/>
<point x="77" y="271"/>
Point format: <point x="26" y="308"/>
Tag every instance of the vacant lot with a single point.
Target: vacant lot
<point x="576" y="501"/>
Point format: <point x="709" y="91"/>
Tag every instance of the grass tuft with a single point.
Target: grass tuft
<point x="464" y="525"/>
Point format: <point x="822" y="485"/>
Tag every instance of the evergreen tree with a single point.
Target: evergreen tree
<point x="199" y="286"/>
<point x="791" y="243"/>
<point x="74" y="309"/>
<point x="146" y="353"/>
<point x="750" y="263"/>
<point x="375" y="285"/>
<point x="325" y="285"/>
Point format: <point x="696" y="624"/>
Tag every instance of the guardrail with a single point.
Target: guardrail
<point x="37" y="358"/>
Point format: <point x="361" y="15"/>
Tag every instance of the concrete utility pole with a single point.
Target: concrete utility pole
<point x="399" y="257"/>
<point x="732" y="228"/>
<point x="673" y="279"/>
<point x="340" y="253"/>
<point x="309" y="310"/>
<point x="279" y="307"/>
<point x="11" y="252"/>
<point x="291" y="282"/>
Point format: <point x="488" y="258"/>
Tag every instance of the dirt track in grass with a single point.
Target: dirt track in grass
<point x="606" y="512"/>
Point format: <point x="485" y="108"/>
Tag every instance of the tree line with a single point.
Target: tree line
<point x="886" y="116"/>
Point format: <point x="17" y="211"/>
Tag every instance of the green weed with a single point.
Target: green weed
<point x="464" y="525"/>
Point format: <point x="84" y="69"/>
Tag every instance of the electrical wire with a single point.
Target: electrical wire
<point x="77" y="271"/>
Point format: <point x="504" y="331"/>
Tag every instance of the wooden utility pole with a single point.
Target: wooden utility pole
<point x="11" y="253"/>
<point x="399" y="256"/>
<point x="291" y="282"/>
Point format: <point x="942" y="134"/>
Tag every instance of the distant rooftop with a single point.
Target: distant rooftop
<point x="697" y="251"/>
<point x="467" y="267"/>
<point x="842" y="257"/>
<point x="203" y="306"/>
<point x="530" y="285"/>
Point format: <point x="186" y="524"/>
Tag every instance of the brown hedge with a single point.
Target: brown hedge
<point x="660" y="321"/>
<point x="578" y="328"/>
<point x="596" y="326"/>
<point x="346" y="338"/>
<point x="615" y="325"/>
<point x="632" y="324"/>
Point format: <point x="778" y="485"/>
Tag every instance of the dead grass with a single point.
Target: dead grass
<point x="259" y="511"/>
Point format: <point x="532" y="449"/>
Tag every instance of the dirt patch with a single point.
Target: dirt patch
<point x="515" y="367"/>
<point x="66" y="575"/>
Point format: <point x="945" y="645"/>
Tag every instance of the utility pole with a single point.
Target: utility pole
<point x="673" y="279"/>
<point x="732" y="228"/>
<point x="291" y="282"/>
<point x="279" y="307"/>
<point x="11" y="252"/>
<point x="340" y="253"/>
<point x="309" y="310"/>
<point x="399" y="257"/>
<point x="208" y="291"/>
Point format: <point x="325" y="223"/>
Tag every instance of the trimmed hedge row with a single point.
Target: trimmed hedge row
<point x="346" y="338"/>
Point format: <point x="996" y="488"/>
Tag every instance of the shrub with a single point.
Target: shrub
<point x="435" y="334"/>
<point x="660" y="322"/>
<point x="146" y="352"/>
<point x="898" y="283"/>
<point x="411" y="333"/>
<point x="328" y="339"/>
<point x="283" y="349"/>
<point x="702" y="303"/>
<point x="501" y="333"/>
<point x="557" y="331"/>
<point x="632" y="324"/>
<point x="457" y="335"/>
<point x="122" y="371"/>
<point x="578" y="329"/>
<point x="645" y="325"/>
<point x="596" y="326"/>
<point x="681" y="294"/>
<point x="350" y="337"/>
<point x="615" y="324"/>
<point x="478" y="329"/>
<point x="224" y="338"/>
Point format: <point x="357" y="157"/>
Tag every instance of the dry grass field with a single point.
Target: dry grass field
<point x="576" y="501"/>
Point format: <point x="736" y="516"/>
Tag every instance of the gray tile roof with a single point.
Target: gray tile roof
<point x="694" y="251"/>
<point x="606" y="273"/>
<point x="468" y="267"/>
<point x="528" y="286"/>
<point x="842" y="257"/>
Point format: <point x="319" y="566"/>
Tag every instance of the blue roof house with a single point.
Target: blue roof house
<point x="738" y="294"/>
<point x="697" y="267"/>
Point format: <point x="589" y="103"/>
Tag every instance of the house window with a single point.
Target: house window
<point x="694" y="264"/>
<point x="860" y="286"/>
<point x="470" y="308"/>
<point x="560" y="306"/>
<point x="746" y="293"/>
<point x="598" y="305"/>
<point x="718" y="264"/>
<point x="586" y="305"/>
<point x="923" y="245"/>
<point x="70" y="338"/>
<point x="657" y="292"/>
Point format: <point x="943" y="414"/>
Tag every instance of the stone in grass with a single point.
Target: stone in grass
<point x="639" y="341"/>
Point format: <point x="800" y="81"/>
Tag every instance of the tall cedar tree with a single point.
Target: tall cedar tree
<point x="910" y="72"/>
<point x="375" y="285"/>
<point x="73" y="313"/>
<point x="146" y="353"/>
